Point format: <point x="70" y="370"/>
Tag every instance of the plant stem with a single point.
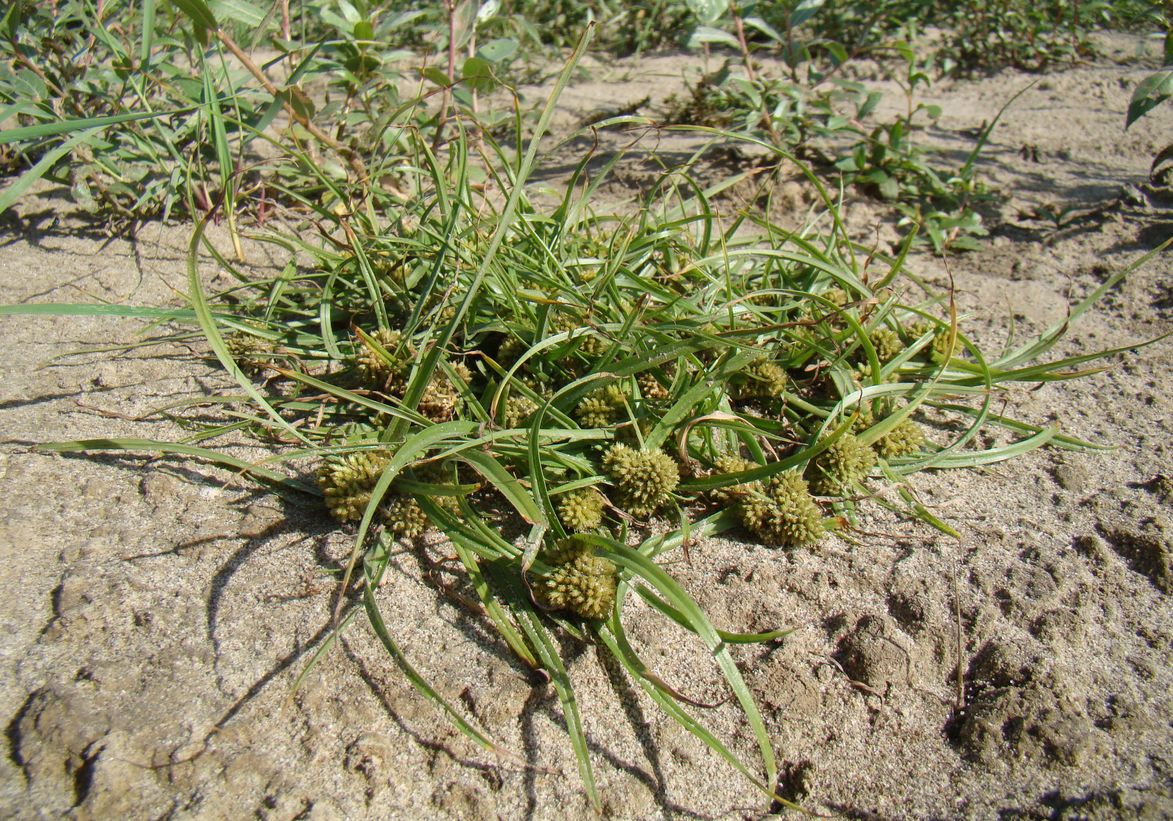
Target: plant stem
<point x="353" y="160"/>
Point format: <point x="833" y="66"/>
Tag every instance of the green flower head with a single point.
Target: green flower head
<point x="785" y="515"/>
<point x="576" y="580"/>
<point x="762" y="379"/>
<point x="581" y="510"/>
<point x="347" y="482"/>
<point x="373" y="367"/>
<point x="902" y="440"/>
<point x="405" y="517"/>
<point x="601" y="408"/>
<point x="887" y="343"/>
<point x="840" y="466"/>
<point x="731" y="463"/>
<point x="644" y="479"/>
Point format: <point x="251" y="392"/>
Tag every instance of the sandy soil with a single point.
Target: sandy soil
<point x="157" y="613"/>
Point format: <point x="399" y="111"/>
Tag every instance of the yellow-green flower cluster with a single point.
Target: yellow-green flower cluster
<point x="441" y="398"/>
<point x="939" y="350"/>
<point x="510" y="350"/>
<point x="644" y="479"/>
<point x="905" y="438"/>
<point x="347" y="483"/>
<point x="518" y="409"/>
<point x="404" y="516"/>
<point x="650" y="387"/>
<point x="731" y="463"/>
<point x="785" y="514"/>
<point x="601" y="407"/>
<point x="835" y="470"/>
<point x="581" y="510"/>
<point x="576" y="580"/>
<point x="762" y="379"/>
<point x="249" y="351"/>
<point x="372" y="366"/>
<point x="887" y="343"/>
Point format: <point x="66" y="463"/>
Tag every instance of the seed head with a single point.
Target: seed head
<point x="601" y="407"/>
<point x="840" y="466"/>
<point x="405" y="517"/>
<point x="249" y="351"/>
<point x="644" y="479"/>
<point x="762" y="379"/>
<point x="887" y="343"/>
<point x="581" y="510"/>
<point x="650" y="387"/>
<point x="518" y="409"/>
<point x="347" y="482"/>
<point x="905" y="438"/>
<point x="731" y="463"/>
<point x="577" y="580"/>
<point x="785" y="515"/>
<point x="372" y="366"/>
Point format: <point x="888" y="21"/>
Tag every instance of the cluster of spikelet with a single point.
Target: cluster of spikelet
<point x="905" y="438"/>
<point x="576" y="580"/>
<point x="601" y="407"/>
<point x="887" y="343"/>
<point x="940" y="349"/>
<point x="518" y="409"/>
<point x="441" y="398"/>
<point x="650" y="387"/>
<point x="347" y="482"/>
<point x="376" y="369"/>
<point x="781" y="513"/>
<point x="643" y="479"/>
<point x="762" y="379"/>
<point x="249" y="351"/>
<point x="581" y="510"/>
<point x="836" y="470"/>
<point x="404" y="516"/>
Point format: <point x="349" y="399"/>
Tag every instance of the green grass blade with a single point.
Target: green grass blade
<point x="153" y="446"/>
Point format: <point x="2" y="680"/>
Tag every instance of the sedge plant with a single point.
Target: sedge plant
<point x="540" y="382"/>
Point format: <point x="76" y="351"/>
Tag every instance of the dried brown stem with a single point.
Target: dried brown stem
<point x="352" y="159"/>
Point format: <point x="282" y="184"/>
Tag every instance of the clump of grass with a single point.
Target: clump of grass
<point x="707" y="370"/>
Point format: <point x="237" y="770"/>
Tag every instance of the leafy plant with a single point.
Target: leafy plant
<point x="1154" y="90"/>
<point x="468" y="356"/>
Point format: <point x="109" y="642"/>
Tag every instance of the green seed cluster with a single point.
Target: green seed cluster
<point x="577" y="580"/>
<point x="581" y="510"/>
<point x="601" y="407"/>
<point x="250" y="352"/>
<point x="591" y="345"/>
<point x="644" y="479"/>
<point x="731" y="463"/>
<point x="373" y="368"/>
<point x="510" y="350"/>
<point x="441" y="399"/>
<point x="650" y="387"/>
<point x="840" y="466"/>
<point x="887" y="343"/>
<point x="836" y="296"/>
<point x="905" y="438"/>
<point x="347" y="483"/>
<point x="939" y="350"/>
<point x="518" y="409"/>
<point x="762" y="380"/>
<point x="785" y="515"/>
<point x="405" y="517"/>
